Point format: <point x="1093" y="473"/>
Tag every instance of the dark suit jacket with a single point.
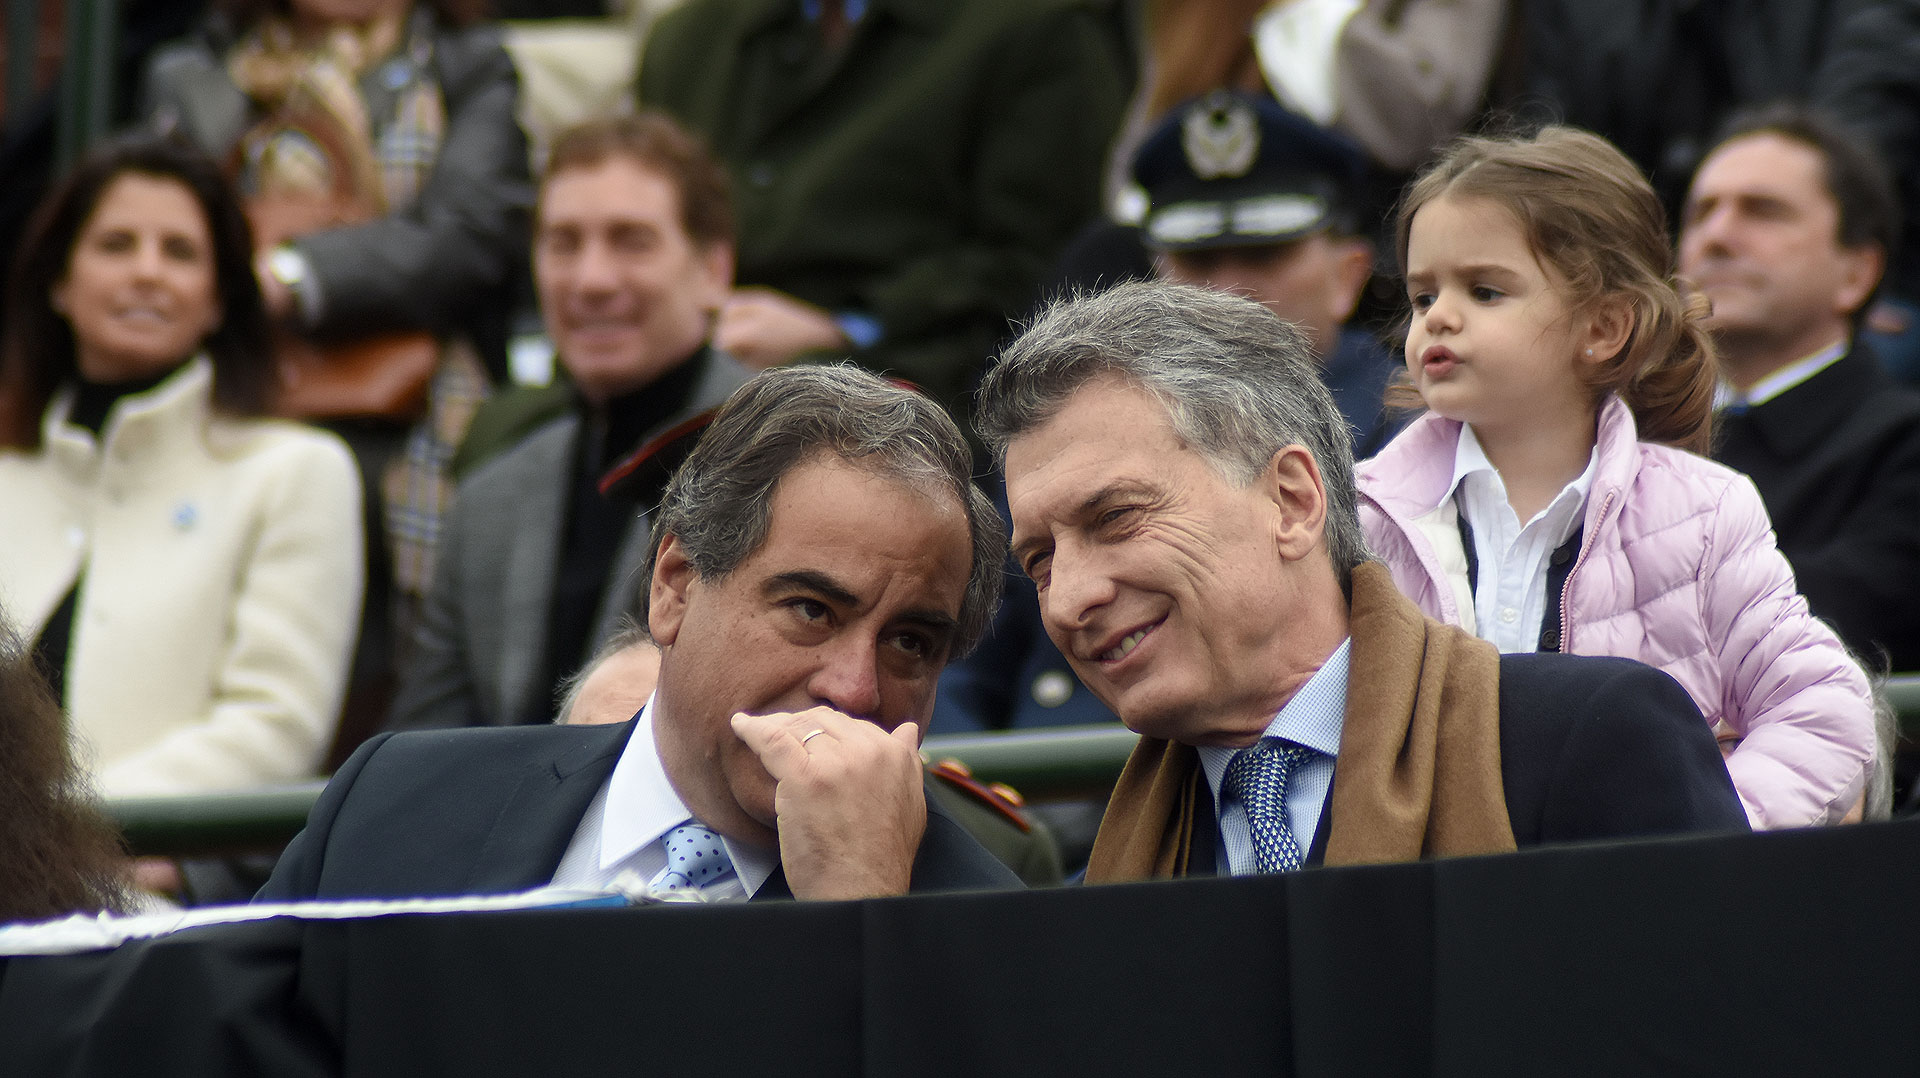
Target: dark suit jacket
<point x="1837" y="461"/>
<point x="1590" y="748"/>
<point x="492" y="810"/>
<point x="481" y="646"/>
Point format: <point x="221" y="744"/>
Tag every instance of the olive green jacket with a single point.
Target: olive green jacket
<point x="926" y="176"/>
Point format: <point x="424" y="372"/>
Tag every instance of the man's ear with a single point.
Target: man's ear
<point x="673" y="575"/>
<point x="716" y="271"/>
<point x="1353" y="266"/>
<point x="1862" y="267"/>
<point x="1292" y="480"/>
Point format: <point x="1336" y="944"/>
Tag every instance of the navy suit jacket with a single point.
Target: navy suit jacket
<point x="1590" y="748"/>
<point x="488" y="810"/>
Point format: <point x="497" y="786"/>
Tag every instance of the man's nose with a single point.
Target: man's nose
<point x="1077" y="586"/>
<point x="597" y="270"/>
<point x="1707" y="233"/>
<point x="848" y="677"/>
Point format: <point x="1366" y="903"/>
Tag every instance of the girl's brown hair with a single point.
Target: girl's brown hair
<point x="58" y="852"/>
<point x="1588" y="213"/>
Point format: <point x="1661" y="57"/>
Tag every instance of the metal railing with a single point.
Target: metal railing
<point x="1053" y="764"/>
<point x="1044" y="765"/>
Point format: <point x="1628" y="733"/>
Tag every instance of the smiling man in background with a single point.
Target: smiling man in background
<point x="633" y="254"/>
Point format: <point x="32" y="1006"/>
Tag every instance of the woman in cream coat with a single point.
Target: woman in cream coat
<point x="189" y="572"/>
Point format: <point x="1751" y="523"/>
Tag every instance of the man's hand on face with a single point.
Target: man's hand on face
<point x="849" y="800"/>
<point x="764" y="328"/>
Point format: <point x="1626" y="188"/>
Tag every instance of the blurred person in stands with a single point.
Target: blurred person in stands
<point x="187" y="571"/>
<point x="1787" y="230"/>
<point x="58" y="855"/>
<point x="814" y="563"/>
<point x="1246" y="197"/>
<point x="1553" y="497"/>
<point x="377" y="147"/>
<point x="542" y="551"/>
<point x="907" y="170"/>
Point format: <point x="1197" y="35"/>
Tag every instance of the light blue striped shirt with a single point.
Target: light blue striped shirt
<point x="1311" y="718"/>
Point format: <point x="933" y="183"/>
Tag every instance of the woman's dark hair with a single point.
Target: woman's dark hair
<point x="37" y="352"/>
<point x="58" y="853"/>
<point x="244" y="13"/>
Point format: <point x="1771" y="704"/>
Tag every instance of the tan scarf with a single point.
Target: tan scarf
<point x="1419" y="768"/>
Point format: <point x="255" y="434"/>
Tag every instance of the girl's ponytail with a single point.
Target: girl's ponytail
<point x="1669" y="369"/>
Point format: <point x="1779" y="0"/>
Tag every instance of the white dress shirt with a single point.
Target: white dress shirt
<point x="1312" y="718"/>
<point x="1510" y="598"/>
<point x="625" y="827"/>
<point x="1781" y="380"/>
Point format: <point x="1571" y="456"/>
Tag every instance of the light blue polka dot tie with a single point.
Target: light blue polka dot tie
<point x="1258" y="777"/>
<point x="695" y="858"/>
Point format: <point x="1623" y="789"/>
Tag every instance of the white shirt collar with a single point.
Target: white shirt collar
<point x="1312" y="716"/>
<point x="641" y="805"/>
<point x="1470" y="458"/>
<point x="1783" y="379"/>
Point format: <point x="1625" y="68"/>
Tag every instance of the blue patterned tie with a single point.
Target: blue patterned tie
<point x="1258" y="777"/>
<point x="695" y="858"/>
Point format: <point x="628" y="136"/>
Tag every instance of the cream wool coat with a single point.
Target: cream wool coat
<point x="222" y="561"/>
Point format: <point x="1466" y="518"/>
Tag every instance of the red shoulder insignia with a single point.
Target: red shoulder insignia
<point x="998" y="796"/>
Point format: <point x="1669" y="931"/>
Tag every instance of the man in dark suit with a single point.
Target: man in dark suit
<point x="1787" y="229"/>
<point x="814" y="563"/>
<point x="541" y="554"/>
<point x="1182" y="496"/>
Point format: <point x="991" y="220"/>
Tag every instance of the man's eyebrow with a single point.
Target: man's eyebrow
<point x="938" y="622"/>
<point x="810" y="580"/>
<point x="933" y="620"/>
<point x="1088" y="506"/>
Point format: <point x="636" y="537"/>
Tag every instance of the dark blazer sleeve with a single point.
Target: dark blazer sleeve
<point x="296" y="877"/>
<point x="951" y="859"/>
<point x="1602" y="748"/>
<point x="423" y="266"/>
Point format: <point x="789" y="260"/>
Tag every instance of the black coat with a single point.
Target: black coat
<point x="1837" y="461"/>
<point x="491" y="810"/>
<point x="1591" y="748"/>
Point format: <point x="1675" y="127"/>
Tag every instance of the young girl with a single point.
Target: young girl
<point x="1551" y="498"/>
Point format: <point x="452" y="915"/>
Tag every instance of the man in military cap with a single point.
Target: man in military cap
<point x="1246" y="197"/>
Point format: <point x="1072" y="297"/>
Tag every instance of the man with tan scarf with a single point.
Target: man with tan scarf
<point x="1182" y="498"/>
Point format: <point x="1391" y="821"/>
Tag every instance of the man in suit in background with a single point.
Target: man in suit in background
<point x="633" y="254"/>
<point x="1787" y="229"/>
<point x="1246" y="197"/>
<point x="814" y="563"/>
<point x="1183" y="498"/>
<point x="907" y="170"/>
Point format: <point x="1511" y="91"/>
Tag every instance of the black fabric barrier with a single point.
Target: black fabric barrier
<point x="1784" y="954"/>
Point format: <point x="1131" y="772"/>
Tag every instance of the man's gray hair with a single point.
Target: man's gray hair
<point x="720" y="501"/>
<point x="1239" y="384"/>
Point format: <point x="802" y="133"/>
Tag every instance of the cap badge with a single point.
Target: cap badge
<point x="1221" y="137"/>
